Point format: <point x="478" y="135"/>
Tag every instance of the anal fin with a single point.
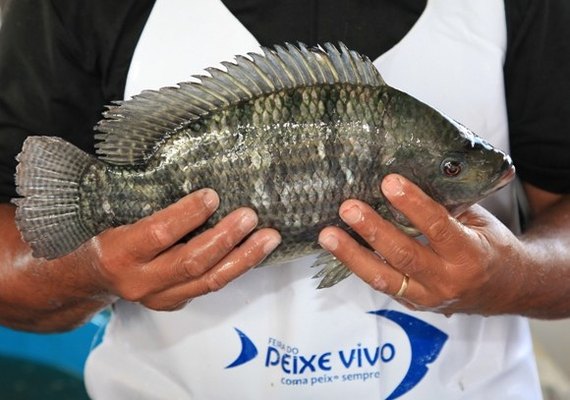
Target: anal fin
<point x="332" y="270"/>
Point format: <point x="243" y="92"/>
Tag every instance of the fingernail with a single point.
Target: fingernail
<point x="248" y="220"/>
<point x="271" y="244"/>
<point x="393" y="185"/>
<point x="351" y="215"/>
<point x="329" y="242"/>
<point x="210" y="199"/>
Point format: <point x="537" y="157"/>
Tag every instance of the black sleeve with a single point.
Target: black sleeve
<point x="61" y="61"/>
<point x="537" y="82"/>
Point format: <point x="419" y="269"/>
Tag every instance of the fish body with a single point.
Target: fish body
<point x="291" y="133"/>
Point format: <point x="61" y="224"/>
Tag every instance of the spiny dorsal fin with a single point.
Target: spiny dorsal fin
<point x="132" y="129"/>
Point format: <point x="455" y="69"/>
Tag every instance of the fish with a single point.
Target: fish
<point x="291" y="131"/>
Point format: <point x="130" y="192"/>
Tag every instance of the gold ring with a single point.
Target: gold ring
<point x="403" y="287"/>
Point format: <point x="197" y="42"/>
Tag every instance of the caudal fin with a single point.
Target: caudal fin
<point x="48" y="178"/>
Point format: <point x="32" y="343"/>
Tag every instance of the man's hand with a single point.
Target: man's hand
<point x="471" y="264"/>
<point x="143" y="262"/>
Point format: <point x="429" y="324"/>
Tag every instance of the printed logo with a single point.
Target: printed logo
<point x="359" y="363"/>
<point x="426" y="342"/>
<point x="248" y="350"/>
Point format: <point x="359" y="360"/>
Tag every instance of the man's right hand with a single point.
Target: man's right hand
<point x="142" y="262"/>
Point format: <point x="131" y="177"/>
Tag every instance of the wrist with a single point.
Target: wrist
<point x="48" y="296"/>
<point x="543" y="281"/>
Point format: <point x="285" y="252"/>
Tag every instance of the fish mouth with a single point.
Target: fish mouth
<point x="499" y="182"/>
<point x="502" y="180"/>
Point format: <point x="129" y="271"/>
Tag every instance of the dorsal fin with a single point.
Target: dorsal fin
<point x="131" y="130"/>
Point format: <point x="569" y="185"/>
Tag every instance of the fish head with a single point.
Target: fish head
<point x="467" y="170"/>
<point x="445" y="159"/>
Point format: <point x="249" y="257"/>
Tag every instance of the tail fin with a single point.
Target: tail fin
<point x="48" y="178"/>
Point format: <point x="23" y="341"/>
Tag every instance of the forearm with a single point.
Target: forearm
<point x="547" y="276"/>
<point x="40" y="295"/>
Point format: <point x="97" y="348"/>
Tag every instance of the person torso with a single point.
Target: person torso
<point x="271" y="334"/>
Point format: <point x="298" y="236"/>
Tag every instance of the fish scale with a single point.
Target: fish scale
<point x="298" y="191"/>
<point x="291" y="133"/>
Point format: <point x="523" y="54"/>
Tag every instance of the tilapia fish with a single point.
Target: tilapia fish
<point x="290" y="133"/>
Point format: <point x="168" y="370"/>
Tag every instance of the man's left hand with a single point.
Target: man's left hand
<point x="469" y="264"/>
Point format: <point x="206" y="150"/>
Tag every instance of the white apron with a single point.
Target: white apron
<point x="270" y="334"/>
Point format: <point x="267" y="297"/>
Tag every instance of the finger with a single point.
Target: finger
<point x="191" y="260"/>
<point x="401" y="251"/>
<point x="152" y="235"/>
<point x="444" y="232"/>
<point x="363" y="262"/>
<point x="251" y="253"/>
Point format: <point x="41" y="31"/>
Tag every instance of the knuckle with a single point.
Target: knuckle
<point x="130" y="292"/>
<point x="157" y="236"/>
<point x="449" y="294"/>
<point x="377" y="282"/>
<point x="223" y="244"/>
<point x="227" y="243"/>
<point x="439" y="228"/>
<point x="158" y="304"/>
<point x="215" y="282"/>
<point x="152" y="304"/>
<point x="432" y="305"/>
<point x="188" y="268"/>
<point x="404" y="258"/>
<point x="369" y="232"/>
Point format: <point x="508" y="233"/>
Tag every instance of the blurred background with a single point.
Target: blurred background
<point x="47" y="366"/>
<point x="552" y="349"/>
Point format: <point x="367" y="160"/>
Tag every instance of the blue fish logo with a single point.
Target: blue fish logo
<point x="248" y="350"/>
<point x="426" y="342"/>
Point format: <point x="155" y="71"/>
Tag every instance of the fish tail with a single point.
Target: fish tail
<point x="48" y="179"/>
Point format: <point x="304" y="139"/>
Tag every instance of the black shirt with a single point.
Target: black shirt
<point x="62" y="61"/>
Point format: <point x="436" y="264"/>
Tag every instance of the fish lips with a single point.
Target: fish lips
<point x="503" y="179"/>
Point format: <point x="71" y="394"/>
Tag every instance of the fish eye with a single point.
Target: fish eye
<point x="451" y="167"/>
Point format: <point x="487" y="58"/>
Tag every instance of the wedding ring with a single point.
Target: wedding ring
<point x="403" y="287"/>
